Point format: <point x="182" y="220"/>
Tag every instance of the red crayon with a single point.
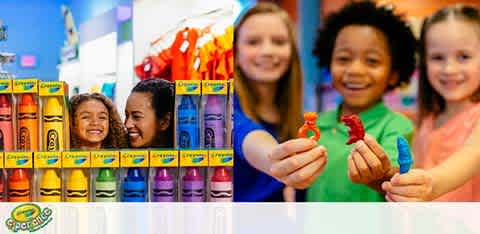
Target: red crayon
<point x="6" y="126"/>
<point x="27" y="123"/>
<point x="2" y="187"/>
<point x="19" y="186"/>
<point x="221" y="185"/>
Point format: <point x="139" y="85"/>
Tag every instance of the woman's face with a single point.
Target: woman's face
<point x="140" y="121"/>
<point x="91" y="123"/>
<point x="264" y="48"/>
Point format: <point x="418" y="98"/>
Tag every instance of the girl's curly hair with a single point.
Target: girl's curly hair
<point x="117" y="135"/>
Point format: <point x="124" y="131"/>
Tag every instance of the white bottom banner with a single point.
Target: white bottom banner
<point x="248" y="218"/>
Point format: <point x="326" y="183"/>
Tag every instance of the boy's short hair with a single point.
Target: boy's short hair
<point x="401" y="41"/>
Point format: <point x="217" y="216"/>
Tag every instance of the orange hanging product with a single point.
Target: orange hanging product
<point x="309" y="125"/>
<point x="221" y="65"/>
<point x="182" y="52"/>
<point x="163" y="62"/>
<point x="229" y="56"/>
<point x="207" y="52"/>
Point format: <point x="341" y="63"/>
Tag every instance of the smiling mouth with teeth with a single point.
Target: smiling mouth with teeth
<point x="446" y="82"/>
<point x="355" y="86"/>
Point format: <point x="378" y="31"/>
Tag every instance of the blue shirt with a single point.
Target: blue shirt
<point x="250" y="184"/>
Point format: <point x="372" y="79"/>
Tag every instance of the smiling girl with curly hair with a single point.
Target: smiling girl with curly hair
<point x="95" y="123"/>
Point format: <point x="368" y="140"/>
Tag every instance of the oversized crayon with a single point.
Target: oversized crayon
<point x="53" y="125"/>
<point x="106" y="186"/>
<point x="221" y="186"/>
<point x="77" y="186"/>
<point x="134" y="186"/>
<point x="19" y="186"/>
<point x="214" y="122"/>
<point x="193" y="187"/>
<point x="2" y="187"/>
<point x="188" y="124"/>
<point x="163" y="186"/>
<point x="6" y="126"/>
<point x="404" y="157"/>
<point x="27" y="123"/>
<point x="50" y="187"/>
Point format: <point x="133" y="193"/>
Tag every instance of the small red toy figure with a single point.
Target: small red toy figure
<point x="310" y="120"/>
<point x="356" y="130"/>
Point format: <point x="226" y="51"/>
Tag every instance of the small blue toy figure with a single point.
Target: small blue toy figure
<point x="404" y="155"/>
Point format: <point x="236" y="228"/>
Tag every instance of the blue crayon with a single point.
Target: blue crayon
<point x="404" y="155"/>
<point x="134" y="186"/>
<point x="188" y="124"/>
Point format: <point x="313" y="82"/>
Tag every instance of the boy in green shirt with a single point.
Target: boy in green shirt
<point x="368" y="50"/>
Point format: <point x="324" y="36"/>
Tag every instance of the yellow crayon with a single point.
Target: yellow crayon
<point x="77" y="186"/>
<point x="53" y="125"/>
<point x="50" y="187"/>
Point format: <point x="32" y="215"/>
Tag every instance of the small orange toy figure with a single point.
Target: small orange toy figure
<point x="310" y="120"/>
<point x="356" y="130"/>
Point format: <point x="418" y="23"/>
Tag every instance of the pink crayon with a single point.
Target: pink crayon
<point x="6" y="126"/>
<point x="193" y="186"/>
<point x="221" y="185"/>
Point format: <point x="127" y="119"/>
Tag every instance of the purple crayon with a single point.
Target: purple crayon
<point x="193" y="186"/>
<point x="214" y="122"/>
<point x="163" y="186"/>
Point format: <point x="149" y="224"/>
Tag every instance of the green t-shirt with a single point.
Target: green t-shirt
<point x="333" y="184"/>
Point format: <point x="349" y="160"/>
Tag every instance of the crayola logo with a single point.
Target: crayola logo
<point x="52" y="137"/>
<point x="28" y="217"/>
<point x="192" y="88"/>
<point x="226" y="159"/>
<point x="138" y="160"/>
<point x="3" y="86"/>
<point x="197" y="159"/>
<point x="167" y="160"/>
<point x="215" y="86"/>
<point x="189" y="86"/>
<point x="21" y="161"/>
<point x="52" y="161"/>
<point x="25" y="212"/>
<point x="79" y="161"/>
<point x="28" y="86"/>
<point x="218" y="88"/>
<point x="108" y="160"/>
<point x="54" y="89"/>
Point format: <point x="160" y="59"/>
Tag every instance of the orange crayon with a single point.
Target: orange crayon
<point x="27" y="123"/>
<point x="6" y="125"/>
<point x="19" y="186"/>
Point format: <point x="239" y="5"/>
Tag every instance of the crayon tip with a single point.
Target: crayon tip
<point x="5" y="101"/>
<point x="77" y="179"/>
<point x="53" y="107"/>
<point x="162" y="174"/>
<point x="19" y="174"/>
<point x="221" y="175"/>
<point x="27" y="99"/>
<point x="192" y="174"/>
<point x="50" y="179"/>
<point x="106" y="175"/>
<point x="134" y="174"/>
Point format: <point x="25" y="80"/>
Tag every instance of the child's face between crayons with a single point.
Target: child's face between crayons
<point x="361" y="67"/>
<point x="91" y="123"/>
